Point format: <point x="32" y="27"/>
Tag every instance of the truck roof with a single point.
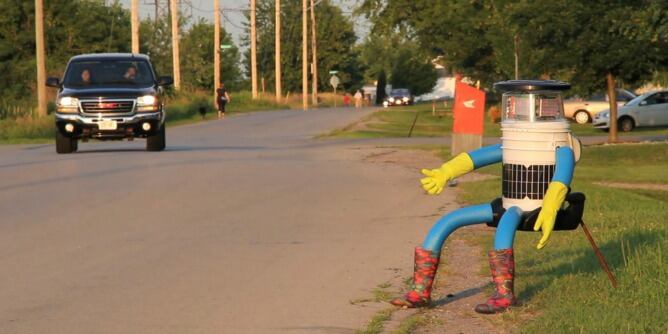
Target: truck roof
<point x="110" y="56"/>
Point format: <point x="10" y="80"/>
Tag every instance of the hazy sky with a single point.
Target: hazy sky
<point x="233" y="19"/>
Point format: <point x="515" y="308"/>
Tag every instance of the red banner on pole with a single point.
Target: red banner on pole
<point x="469" y="110"/>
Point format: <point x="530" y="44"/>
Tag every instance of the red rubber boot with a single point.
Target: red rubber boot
<point x="502" y="264"/>
<point x="426" y="263"/>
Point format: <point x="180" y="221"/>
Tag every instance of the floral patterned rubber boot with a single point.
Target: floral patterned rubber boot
<point x="502" y="264"/>
<point x="426" y="263"/>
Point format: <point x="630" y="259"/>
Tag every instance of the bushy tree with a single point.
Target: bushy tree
<point x="70" y="27"/>
<point x="197" y="68"/>
<point x="409" y="66"/>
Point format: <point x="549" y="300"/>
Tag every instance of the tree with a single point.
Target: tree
<point x="409" y="66"/>
<point x="595" y="44"/>
<point x="380" y="87"/>
<point x="600" y="44"/>
<point x="198" y="61"/>
<point x="465" y="33"/>
<point x="414" y="72"/>
<point x="71" y="28"/>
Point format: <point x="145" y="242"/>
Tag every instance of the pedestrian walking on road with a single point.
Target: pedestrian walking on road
<point x="358" y="99"/>
<point x="222" y="98"/>
<point x="346" y="100"/>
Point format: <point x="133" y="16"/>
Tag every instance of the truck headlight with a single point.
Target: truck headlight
<point x="405" y="98"/>
<point x="147" y="103"/>
<point x="391" y="99"/>
<point x="67" y="104"/>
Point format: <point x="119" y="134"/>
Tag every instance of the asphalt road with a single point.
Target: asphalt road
<point x="246" y="225"/>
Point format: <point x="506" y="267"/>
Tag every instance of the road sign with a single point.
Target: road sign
<point x="334" y="81"/>
<point x="333" y="72"/>
<point x="225" y="46"/>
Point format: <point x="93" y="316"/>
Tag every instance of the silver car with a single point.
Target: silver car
<point x="649" y="109"/>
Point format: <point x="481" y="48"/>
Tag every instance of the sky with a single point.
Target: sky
<point x="233" y="18"/>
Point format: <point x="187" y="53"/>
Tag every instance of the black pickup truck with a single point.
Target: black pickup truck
<point x="109" y="96"/>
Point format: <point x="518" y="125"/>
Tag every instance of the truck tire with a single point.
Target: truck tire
<point x="65" y="145"/>
<point x="156" y="143"/>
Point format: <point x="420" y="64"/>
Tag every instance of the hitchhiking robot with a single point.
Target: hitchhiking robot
<point x="538" y="154"/>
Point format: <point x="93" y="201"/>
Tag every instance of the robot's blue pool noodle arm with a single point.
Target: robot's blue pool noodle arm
<point x="487" y="155"/>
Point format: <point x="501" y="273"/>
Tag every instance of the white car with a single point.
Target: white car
<point x="649" y="109"/>
<point x="584" y="110"/>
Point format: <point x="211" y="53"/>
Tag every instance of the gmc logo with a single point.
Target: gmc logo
<point x="108" y="105"/>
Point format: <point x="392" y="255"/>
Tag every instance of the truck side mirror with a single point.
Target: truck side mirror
<point x="165" y="81"/>
<point x="53" y="82"/>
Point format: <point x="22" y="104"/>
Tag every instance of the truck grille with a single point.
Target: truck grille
<point x="108" y="106"/>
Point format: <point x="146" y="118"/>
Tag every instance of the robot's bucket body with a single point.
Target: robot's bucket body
<point x="533" y="128"/>
<point x="529" y="159"/>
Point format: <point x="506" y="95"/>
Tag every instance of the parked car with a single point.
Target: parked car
<point x="398" y="97"/>
<point x="650" y="109"/>
<point x="111" y="96"/>
<point x="584" y="110"/>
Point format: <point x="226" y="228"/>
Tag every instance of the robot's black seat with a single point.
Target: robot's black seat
<point x="568" y="218"/>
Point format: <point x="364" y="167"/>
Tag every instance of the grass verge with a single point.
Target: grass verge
<point x="562" y="287"/>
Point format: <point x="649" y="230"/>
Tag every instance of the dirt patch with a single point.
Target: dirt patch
<point x="642" y="186"/>
<point x="410" y="159"/>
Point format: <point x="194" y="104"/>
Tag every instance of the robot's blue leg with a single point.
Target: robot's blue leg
<point x="502" y="263"/>
<point x="505" y="232"/>
<point x="427" y="256"/>
<point x="470" y="215"/>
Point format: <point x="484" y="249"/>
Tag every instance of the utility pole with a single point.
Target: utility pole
<point x="314" y="46"/>
<point x="277" y="57"/>
<point x="134" y="17"/>
<point x="304" y="57"/>
<point x="253" y="49"/>
<point x="216" y="49"/>
<point x="175" y="43"/>
<point x="41" y="67"/>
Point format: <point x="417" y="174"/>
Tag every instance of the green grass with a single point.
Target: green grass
<point x="377" y="323"/>
<point x="563" y="285"/>
<point x="397" y="121"/>
<point x="182" y="108"/>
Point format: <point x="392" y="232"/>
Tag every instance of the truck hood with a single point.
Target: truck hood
<point x="107" y="92"/>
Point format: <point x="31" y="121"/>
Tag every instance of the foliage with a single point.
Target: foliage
<point x="198" y="60"/>
<point x="70" y="27"/>
<point x="392" y="52"/>
<point x="336" y="39"/>
<point x="572" y="40"/>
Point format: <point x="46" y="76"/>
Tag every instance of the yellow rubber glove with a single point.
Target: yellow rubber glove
<point x="435" y="179"/>
<point x="554" y="198"/>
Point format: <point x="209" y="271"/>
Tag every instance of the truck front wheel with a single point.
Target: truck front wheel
<point x="64" y="144"/>
<point x="157" y="142"/>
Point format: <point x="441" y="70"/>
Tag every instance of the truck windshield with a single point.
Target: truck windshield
<point x="112" y="72"/>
